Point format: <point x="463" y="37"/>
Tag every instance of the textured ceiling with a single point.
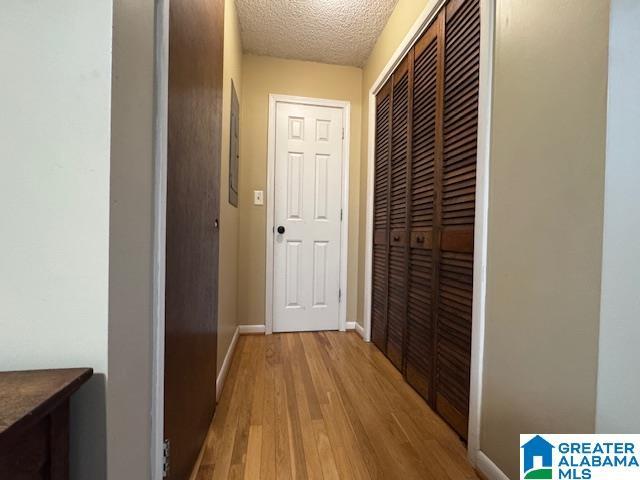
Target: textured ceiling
<point x="330" y="31"/>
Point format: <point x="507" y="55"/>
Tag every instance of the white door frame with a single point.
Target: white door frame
<point x="487" y="31"/>
<point x="344" y="227"/>
<point x="161" y="118"/>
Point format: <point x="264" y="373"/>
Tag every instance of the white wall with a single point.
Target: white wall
<point x="55" y="78"/>
<point x="548" y="145"/>
<point x="131" y="242"/>
<point x="618" y="379"/>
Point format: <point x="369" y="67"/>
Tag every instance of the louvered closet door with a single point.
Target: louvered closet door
<point x="396" y="311"/>
<point x="423" y="248"/>
<point x="381" y="219"/>
<point x="426" y="142"/>
<point x="453" y="333"/>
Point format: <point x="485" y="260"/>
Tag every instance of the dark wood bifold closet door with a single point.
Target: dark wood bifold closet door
<point x="396" y="310"/>
<point x="424" y="211"/>
<point x="381" y="219"/>
<point x="453" y="340"/>
<point x="426" y="145"/>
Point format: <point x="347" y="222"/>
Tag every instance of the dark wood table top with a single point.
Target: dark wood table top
<point x="28" y="396"/>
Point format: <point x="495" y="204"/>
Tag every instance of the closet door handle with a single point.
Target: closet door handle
<point x="396" y="238"/>
<point x="420" y="239"/>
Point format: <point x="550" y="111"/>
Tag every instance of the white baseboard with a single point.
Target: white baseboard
<point x="355" y="326"/>
<point x="222" y="376"/>
<point x="240" y="330"/>
<point x="360" y="330"/>
<point x="488" y="468"/>
<point x="251" y="329"/>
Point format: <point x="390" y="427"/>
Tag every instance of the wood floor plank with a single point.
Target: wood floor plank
<point x="283" y="445"/>
<point x="268" y="451"/>
<point x="378" y="413"/>
<point x="423" y="429"/>
<point x="325" y="406"/>
<point x="296" y="442"/>
<point x="238" y="456"/>
<point x="304" y="400"/>
<point x="325" y="451"/>
<point x="253" y="351"/>
<point x="301" y="363"/>
<point x="257" y="406"/>
<point x="227" y="436"/>
<point x="355" y="441"/>
<point x="320" y="376"/>
<point x="416" y="458"/>
<point x="217" y="430"/>
<point x="254" y="453"/>
<point x="332" y="412"/>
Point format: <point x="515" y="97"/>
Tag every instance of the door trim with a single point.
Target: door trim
<point x="487" y="35"/>
<point x="344" y="227"/>
<point x="161" y="116"/>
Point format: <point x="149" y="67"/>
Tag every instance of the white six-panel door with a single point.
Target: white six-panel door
<point x="307" y="203"/>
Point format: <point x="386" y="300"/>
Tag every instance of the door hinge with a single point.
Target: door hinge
<point x="339" y="295"/>
<point x="340" y="214"/>
<point x="166" y="452"/>
<point x="343" y="133"/>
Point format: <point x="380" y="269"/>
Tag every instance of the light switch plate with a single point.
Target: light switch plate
<point x="258" y="197"/>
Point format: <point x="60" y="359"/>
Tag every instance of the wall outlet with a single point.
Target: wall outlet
<point x="258" y="197"/>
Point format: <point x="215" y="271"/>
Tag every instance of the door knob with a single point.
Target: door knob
<point x="280" y="229"/>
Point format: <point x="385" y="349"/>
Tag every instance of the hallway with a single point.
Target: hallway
<point x="325" y="405"/>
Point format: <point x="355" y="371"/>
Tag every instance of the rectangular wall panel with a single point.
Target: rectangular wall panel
<point x="323" y="127"/>
<point x="319" y="287"/>
<point x="321" y="187"/>
<point x="292" y="272"/>
<point x="296" y="128"/>
<point x="295" y="177"/>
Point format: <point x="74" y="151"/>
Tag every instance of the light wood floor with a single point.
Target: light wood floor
<point x="324" y="405"/>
